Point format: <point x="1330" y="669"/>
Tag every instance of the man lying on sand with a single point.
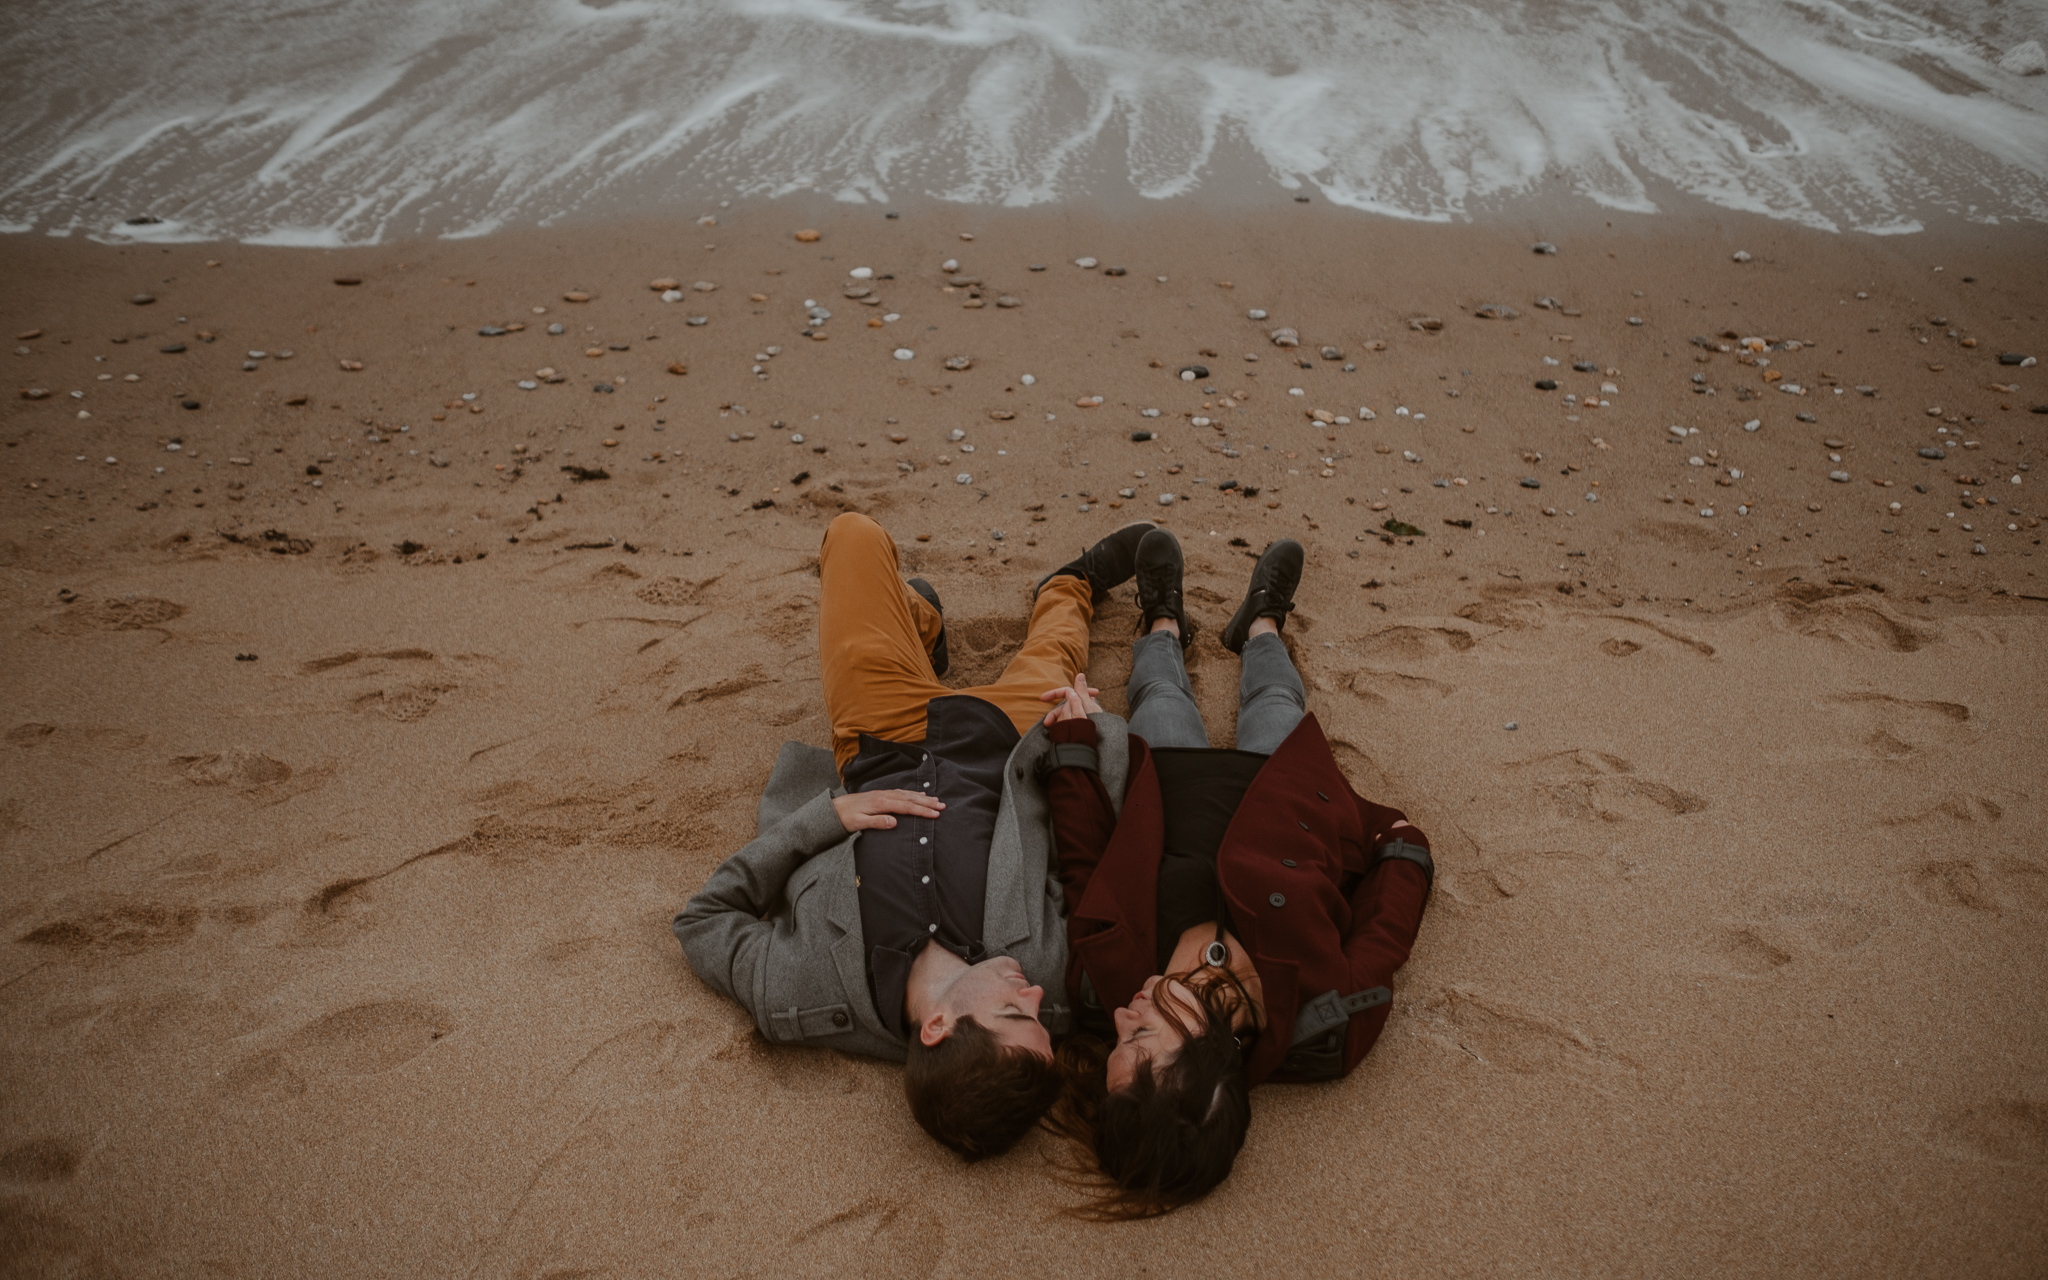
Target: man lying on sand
<point x="913" y="913"/>
<point x="1240" y="918"/>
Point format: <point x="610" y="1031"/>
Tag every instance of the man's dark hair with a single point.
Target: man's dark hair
<point x="974" y="1093"/>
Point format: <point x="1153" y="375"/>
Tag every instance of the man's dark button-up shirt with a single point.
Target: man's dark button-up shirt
<point x="926" y="879"/>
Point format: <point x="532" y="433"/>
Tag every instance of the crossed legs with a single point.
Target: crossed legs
<point x="875" y="636"/>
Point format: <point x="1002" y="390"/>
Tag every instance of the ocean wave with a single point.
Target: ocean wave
<point x="317" y="123"/>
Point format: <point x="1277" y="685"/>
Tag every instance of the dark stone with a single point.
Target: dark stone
<point x="1140" y="437"/>
<point x="1546" y="384"/>
<point x="348" y="280"/>
<point x="145" y="220"/>
<point x="189" y="404"/>
<point x="1585" y="366"/>
<point x="314" y="471"/>
<point x="605" y="387"/>
<point x="2011" y="357"/>
<point x="1225" y="486"/>
<point x="1543" y="246"/>
<point x="176" y="348"/>
<point x="1459" y="524"/>
<point x="1531" y="482"/>
<point x="1806" y="417"/>
<point x="1199" y="370"/>
<point x="144" y="299"/>
<point x="1933" y="453"/>
<point x="1115" y="271"/>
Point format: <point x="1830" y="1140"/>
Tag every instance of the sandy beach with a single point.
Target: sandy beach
<point x="372" y="707"/>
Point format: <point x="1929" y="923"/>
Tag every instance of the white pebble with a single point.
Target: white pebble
<point x="1084" y="262"/>
<point x="672" y="295"/>
<point x="1153" y="413"/>
<point x="1297" y="391"/>
<point x="1839" y="477"/>
<point x="962" y="478"/>
<point x="1706" y="511"/>
<point x="796" y="437"/>
<point x="956" y="434"/>
<point x="905" y="353"/>
<point x="1753" y="424"/>
<point x="1027" y="380"/>
<point x="1677" y="431"/>
<point x="1255" y="314"/>
<point x="862" y="273"/>
<point x="1165" y="499"/>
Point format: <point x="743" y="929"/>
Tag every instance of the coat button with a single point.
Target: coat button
<point x="839" y="1019"/>
<point x="1301" y="824"/>
<point x="1322" y="796"/>
<point x="1286" y="862"/>
<point x="1278" y="899"/>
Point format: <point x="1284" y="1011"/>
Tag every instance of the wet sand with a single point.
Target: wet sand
<point x="348" y="794"/>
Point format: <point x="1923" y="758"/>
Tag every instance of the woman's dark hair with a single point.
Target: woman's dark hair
<point x="1172" y="1135"/>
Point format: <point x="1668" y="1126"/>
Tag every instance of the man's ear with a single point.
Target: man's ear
<point x="934" y="1030"/>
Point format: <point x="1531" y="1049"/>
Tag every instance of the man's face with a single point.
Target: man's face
<point x="995" y="994"/>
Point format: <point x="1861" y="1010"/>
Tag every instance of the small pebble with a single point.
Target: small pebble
<point x="1531" y="482"/>
<point x="1839" y="477"/>
<point x="176" y="348"/>
<point x="962" y="478"/>
<point x="1084" y="263"/>
<point x="1806" y="417"/>
<point x="1635" y="320"/>
<point x="490" y="331"/>
<point x="807" y="236"/>
<point x="557" y="330"/>
<point x="1753" y="424"/>
<point x="1543" y="246"/>
<point x="1496" y="311"/>
<point x="1546" y="384"/>
<point x="1165" y="499"/>
<point x="1936" y="454"/>
<point x="1511" y="726"/>
<point x="1255" y="314"/>
<point x="143" y="299"/>
<point x="1742" y="255"/>
<point x="862" y="273"/>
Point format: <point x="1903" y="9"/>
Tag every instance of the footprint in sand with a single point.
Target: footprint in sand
<point x="125" y="613"/>
<point x="1892" y="728"/>
<point x="1498" y="1034"/>
<point x="1542" y="871"/>
<point x="362" y="1040"/>
<point x="1616" y="647"/>
<point x="122" y="930"/>
<point x="1793" y="927"/>
<point x="1849" y="615"/>
<point x="1413" y="644"/>
<point x="2005" y="1131"/>
<point x="1594" y="786"/>
<point x="40" y="1160"/>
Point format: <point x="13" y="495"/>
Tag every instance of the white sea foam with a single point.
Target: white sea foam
<point x="290" y="122"/>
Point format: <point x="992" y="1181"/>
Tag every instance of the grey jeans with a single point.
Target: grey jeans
<point x="1270" y="697"/>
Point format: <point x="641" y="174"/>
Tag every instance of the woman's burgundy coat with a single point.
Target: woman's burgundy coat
<point x="1293" y="870"/>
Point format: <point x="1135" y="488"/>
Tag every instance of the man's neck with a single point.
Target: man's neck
<point x="931" y="972"/>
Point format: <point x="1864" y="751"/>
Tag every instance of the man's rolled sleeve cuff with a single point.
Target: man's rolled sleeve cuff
<point x="816" y="827"/>
<point x="1080" y="733"/>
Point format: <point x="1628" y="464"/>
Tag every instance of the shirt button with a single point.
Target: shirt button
<point x="1278" y="899"/>
<point x="927" y="784"/>
<point x="924" y="840"/>
<point x="1286" y="862"/>
<point x="839" y="1019"/>
<point x="927" y="880"/>
<point x="931" y="928"/>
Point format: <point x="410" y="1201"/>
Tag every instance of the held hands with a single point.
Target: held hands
<point x="1076" y="702"/>
<point x="870" y="810"/>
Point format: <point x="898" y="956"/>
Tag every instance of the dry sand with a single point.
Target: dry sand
<point x="351" y="958"/>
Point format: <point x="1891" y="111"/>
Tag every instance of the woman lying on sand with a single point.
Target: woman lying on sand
<point x="1241" y="920"/>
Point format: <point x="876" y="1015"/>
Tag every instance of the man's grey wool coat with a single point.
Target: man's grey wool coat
<point x="777" y="927"/>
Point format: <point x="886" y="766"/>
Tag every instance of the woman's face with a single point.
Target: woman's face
<point x="1145" y="1032"/>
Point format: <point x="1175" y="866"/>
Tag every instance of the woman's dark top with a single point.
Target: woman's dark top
<point x="1200" y="788"/>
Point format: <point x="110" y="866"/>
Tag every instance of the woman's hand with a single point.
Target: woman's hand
<point x="870" y="810"/>
<point x="1076" y="702"/>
